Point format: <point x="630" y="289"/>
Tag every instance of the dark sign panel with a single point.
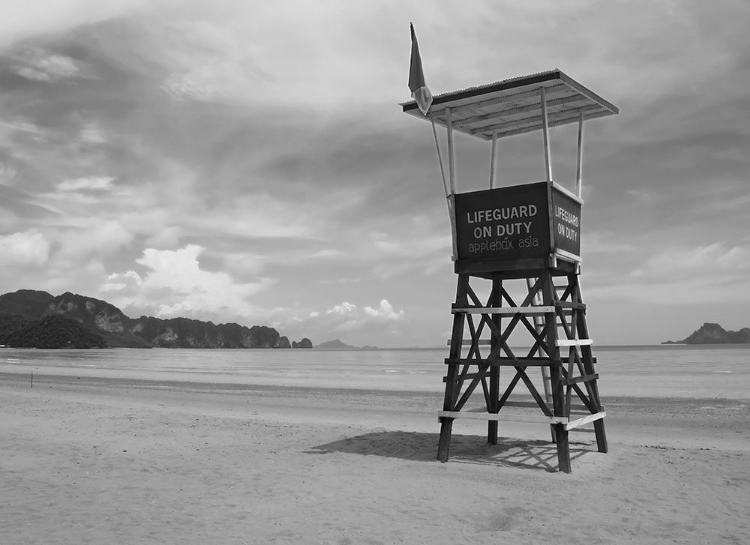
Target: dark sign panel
<point x="504" y="223"/>
<point x="515" y="223"/>
<point x="566" y="223"/>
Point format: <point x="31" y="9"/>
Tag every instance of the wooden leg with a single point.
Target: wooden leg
<point x="492" y="432"/>
<point x="496" y="300"/>
<point x="446" y="427"/>
<point x="492" y="425"/>
<point x="601" y="436"/>
<point x="563" y="449"/>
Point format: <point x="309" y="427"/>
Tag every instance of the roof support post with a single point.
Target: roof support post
<point x="492" y="160"/>
<point x="545" y="131"/>
<point x="579" y="170"/>
<point x="451" y="154"/>
<point x="452" y="180"/>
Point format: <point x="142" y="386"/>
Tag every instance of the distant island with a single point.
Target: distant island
<point x="715" y="334"/>
<point x="338" y="345"/>
<point x="36" y="319"/>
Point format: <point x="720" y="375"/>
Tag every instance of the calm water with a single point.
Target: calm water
<point x="650" y="371"/>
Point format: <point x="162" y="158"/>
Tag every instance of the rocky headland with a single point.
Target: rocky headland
<point x="36" y="319"/>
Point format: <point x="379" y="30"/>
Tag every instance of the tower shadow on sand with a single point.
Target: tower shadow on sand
<point x="470" y="449"/>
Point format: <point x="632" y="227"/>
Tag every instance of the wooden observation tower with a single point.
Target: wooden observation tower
<point x="517" y="254"/>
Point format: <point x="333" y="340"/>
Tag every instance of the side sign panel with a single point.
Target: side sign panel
<point x="566" y="223"/>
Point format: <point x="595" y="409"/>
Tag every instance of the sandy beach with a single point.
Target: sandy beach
<point x="94" y="460"/>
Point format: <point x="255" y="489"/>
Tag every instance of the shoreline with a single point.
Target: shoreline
<point x="70" y="376"/>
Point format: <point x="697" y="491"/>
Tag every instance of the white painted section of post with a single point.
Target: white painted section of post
<point x="579" y="171"/>
<point x="545" y="131"/>
<point x="451" y="153"/>
<point x="492" y="160"/>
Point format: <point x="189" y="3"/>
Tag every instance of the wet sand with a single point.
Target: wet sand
<point x="115" y="460"/>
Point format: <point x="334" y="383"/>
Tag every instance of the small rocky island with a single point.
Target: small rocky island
<point x="36" y="319"/>
<point x="710" y="333"/>
<point x="336" y="344"/>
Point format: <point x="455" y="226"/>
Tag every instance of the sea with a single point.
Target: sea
<point x="695" y="371"/>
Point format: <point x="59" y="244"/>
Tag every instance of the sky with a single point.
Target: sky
<point x="249" y="162"/>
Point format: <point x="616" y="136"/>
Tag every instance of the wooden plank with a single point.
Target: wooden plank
<point x="578" y="380"/>
<point x="535" y="405"/>
<point x="573" y="342"/>
<point x="585" y="420"/>
<point x="530" y="123"/>
<point x="463" y="377"/>
<point x="491" y="117"/>
<point x="469" y="342"/>
<point x="566" y="305"/>
<point x="460" y="109"/>
<point x="533" y="419"/>
<point x="567" y="256"/>
<point x="505" y="362"/>
<point x="505" y="311"/>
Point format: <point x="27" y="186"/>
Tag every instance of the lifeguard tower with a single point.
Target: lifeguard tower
<point x="523" y="244"/>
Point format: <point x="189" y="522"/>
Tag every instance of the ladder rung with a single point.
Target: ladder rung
<point x="522" y="361"/>
<point x="577" y="380"/>
<point x="467" y="342"/>
<point x="506" y="417"/>
<point x="504" y="310"/>
<point x="585" y="420"/>
<point x="566" y="305"/>
<point x="504" y="362"/>
<point x="574" y="342"/>
<point x="579" y="407"/>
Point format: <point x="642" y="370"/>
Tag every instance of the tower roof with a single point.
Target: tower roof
<point x="514" y="106"/>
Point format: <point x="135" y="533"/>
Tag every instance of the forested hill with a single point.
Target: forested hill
<point x="86" y="322"/>
<point x="710" y="333"/>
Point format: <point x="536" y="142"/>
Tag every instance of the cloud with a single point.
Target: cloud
<point x="92" y="237"/>
<point x="27" y="248"/>
<point x="258" y="155"/>
<point x="39" y="65"/>
<point x="23" y="18"/>
<point x="175" y="285"/>
<point x="351" y="322"/>
<point x="681" y="262"/>
<point x="712" y="274"/>
<point x="90" y="183"/>
<point x="384" y="312"/>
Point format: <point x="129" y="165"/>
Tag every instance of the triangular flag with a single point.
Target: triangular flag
<point x="417" y="85"/>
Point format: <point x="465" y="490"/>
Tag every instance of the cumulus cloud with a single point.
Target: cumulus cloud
<point x="351" y="322"/>
<point x="24" y="248"/>
<point x="175" y="285"/>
